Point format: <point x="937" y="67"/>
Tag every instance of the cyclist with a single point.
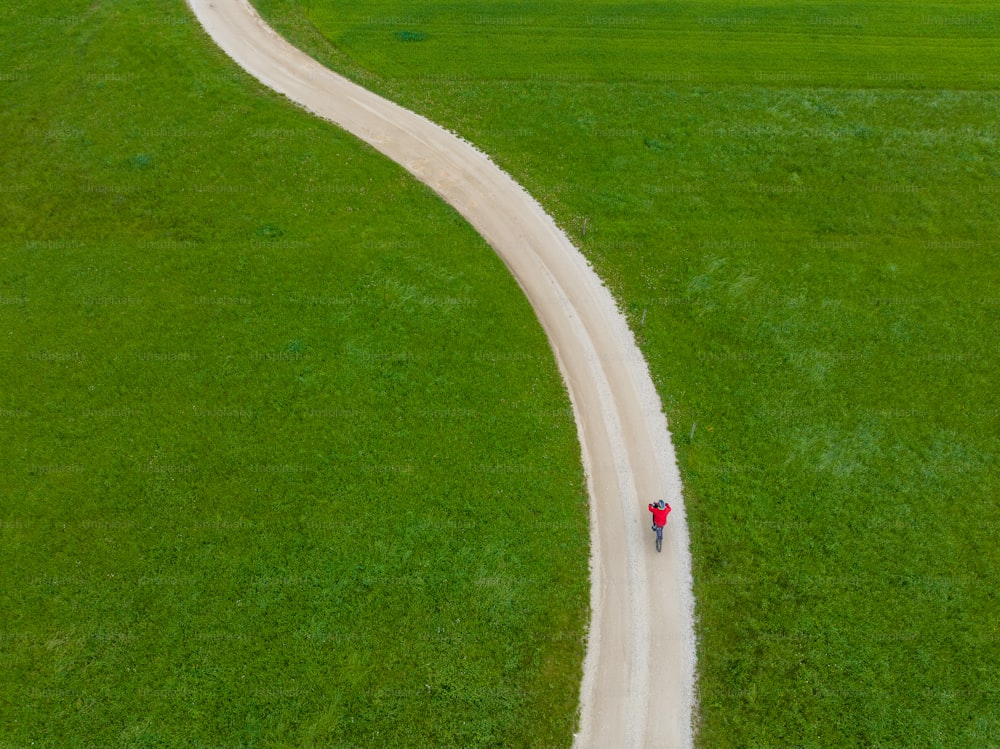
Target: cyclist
<point x="660" y="511"/>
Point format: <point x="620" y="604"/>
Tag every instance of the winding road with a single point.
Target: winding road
<point x="639" y="668"/>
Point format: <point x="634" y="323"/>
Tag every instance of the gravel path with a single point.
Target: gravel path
<point x="638" y="682"/>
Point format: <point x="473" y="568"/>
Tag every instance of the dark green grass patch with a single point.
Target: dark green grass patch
<point x="797" y="207"/>
<point x="411" y="36"/>
<point x="286" y="457"/>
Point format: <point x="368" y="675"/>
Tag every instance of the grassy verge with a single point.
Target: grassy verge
<point x="796" y="205"/>
<point x="287" y="460"/>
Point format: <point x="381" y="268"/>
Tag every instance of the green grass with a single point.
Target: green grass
<point x="287" y="460"/>
<point x="851" y="44"/>
<point x="801" y="203"/>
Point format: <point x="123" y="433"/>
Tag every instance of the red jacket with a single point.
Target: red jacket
<point x="659" y="516"/>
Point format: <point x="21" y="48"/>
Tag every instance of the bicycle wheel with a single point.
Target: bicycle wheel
<point x="659" y="540"/>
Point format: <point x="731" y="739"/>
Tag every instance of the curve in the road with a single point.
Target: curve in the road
<point x="639" y="668"/>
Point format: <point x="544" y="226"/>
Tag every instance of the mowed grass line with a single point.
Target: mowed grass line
<point x="818" y="44"/>
<point x="287" y="459"/>
<point x="816" y="269"/>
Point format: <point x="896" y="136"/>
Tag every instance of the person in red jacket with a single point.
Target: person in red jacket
<point x="660" y="511"/>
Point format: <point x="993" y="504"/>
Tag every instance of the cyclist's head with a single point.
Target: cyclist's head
<point x="662" y="504"/>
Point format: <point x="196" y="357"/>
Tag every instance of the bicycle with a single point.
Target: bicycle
<point x="660" y="511"/>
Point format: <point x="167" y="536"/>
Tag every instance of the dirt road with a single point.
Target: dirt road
<point x="639" y="669"/>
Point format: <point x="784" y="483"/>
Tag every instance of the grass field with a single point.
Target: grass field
<point x="797" y="207"/>
<point x="286" y="458"/>
<point x="854" y="44"/>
